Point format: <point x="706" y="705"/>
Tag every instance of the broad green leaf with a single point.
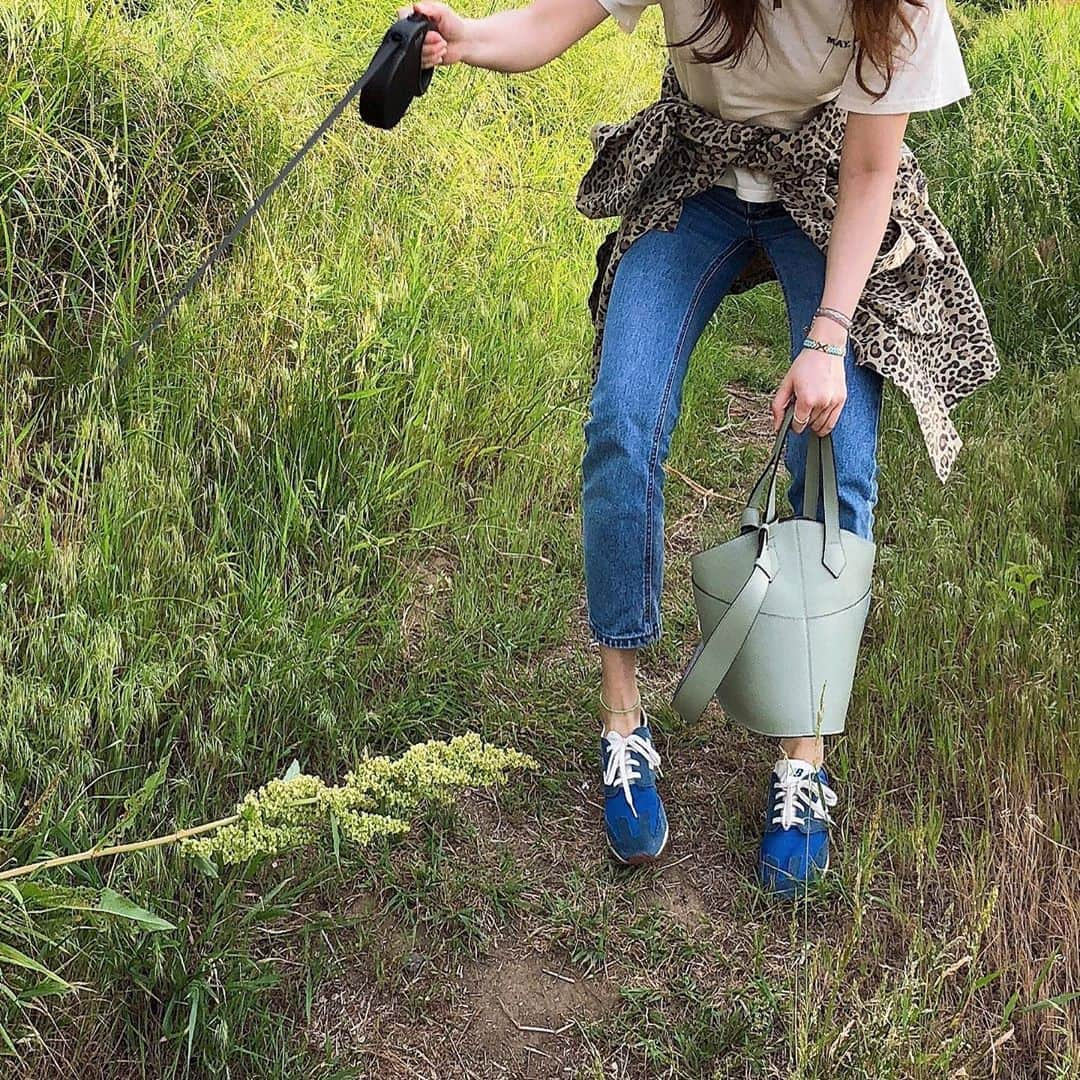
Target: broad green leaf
<point x="1059" y="1001"/>
<point x="46" y="988"/>
<point x="9" y="955"/>
<point x="336" y="837"/>
<point x="205" y="865"/>
<point x="112" y="903"/>
<point x="10" y="887"/>
<point x="55" y="897"/>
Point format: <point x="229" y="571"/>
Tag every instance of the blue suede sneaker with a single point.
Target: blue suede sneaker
<point x="795" y="845"/>
<point x="634" y="817"/>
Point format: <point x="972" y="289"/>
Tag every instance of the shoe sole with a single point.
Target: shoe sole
<point x="642" y="860"/>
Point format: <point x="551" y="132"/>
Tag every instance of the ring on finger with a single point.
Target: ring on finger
<point x="803" y="419"/>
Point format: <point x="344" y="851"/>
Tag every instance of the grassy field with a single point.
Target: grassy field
<point x="335" y="510"/>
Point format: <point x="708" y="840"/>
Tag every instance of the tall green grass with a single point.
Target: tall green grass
<point x="205" y="559"/>
<point x="335" y="507"/>
<point x="1005" y="173"/>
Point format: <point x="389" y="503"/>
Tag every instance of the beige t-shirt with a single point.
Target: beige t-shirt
<point x="805" y="60"/>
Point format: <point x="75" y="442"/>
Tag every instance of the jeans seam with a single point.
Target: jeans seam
<point x="695" y="299"/>
<point x="787" y="302"/>
<point x="876" y="470"/>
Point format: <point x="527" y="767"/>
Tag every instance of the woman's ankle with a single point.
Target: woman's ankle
<point x="805" y="748"/>
<point x="620" y="709"/>
<point x="620" y="699"/>
<point x="622" y="722"/>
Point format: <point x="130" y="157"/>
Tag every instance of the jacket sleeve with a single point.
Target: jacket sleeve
<point x="603" y="257"/>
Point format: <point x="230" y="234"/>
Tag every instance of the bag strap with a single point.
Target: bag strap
<point x="820" y="460"/>
<point x="714" y="656"/>
<point x="751" y="515"/>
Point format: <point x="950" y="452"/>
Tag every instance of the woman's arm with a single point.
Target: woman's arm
<point x="518" y="39"/>
<point x="868" y="163"/>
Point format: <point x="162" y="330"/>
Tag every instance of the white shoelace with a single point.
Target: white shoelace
<point x="621" y="767"/>
<point x="802" y="794"/>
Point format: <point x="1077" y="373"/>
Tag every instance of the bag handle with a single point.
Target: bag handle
<point x="819" y="460"/>
<point x="819" y="463"/>
<point x="714" y="656"/>
<point x="751" y="515"/>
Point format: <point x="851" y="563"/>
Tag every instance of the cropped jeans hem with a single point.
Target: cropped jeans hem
<point x="633" y="641"/>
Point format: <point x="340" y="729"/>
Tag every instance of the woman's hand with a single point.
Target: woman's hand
<point x="817" y="382"/>
<point x="446" y="43"/>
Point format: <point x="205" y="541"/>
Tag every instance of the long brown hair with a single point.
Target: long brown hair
<point x="879" y="26"/>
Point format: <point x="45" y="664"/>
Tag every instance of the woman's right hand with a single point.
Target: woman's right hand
<point x="446" y="43"/>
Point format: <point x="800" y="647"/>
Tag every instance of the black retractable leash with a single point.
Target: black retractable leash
<point x="386" y="89"/>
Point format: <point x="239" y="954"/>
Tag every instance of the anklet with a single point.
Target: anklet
<point x="610" y="710"/>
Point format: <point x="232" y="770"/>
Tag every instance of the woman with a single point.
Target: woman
<point x="771" y="63"/>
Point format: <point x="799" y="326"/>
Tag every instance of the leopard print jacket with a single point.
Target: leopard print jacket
<point x="919" y="321"/>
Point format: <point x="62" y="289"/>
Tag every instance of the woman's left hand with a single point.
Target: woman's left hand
<point x="817" y="382"/>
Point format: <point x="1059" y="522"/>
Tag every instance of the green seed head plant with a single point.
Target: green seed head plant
<point x="378" y="798"/>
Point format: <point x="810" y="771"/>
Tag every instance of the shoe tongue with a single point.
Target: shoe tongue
<point x="642" y="731"/>
<point x="794" y="767"/>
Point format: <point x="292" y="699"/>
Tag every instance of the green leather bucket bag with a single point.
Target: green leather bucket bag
<point x="781" y="609"/>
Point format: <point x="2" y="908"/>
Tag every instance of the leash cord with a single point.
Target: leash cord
<point x="223" y="245"/>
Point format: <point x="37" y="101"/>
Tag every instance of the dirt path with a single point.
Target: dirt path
<point x="593" y="952"/>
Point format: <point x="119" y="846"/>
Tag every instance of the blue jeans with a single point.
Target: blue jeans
<point x="666" y="288"/>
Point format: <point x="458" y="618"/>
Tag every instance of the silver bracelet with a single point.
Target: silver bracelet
<point x="835" y="315"/>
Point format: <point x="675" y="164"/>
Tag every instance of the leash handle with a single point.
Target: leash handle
<point x="386" y="89"/>
<point x="398" y="77"/>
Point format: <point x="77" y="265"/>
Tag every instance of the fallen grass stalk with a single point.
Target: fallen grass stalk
<point x="118" y="849"/>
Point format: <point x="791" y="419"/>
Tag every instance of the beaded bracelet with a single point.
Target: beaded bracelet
<point x="832" y="350"/>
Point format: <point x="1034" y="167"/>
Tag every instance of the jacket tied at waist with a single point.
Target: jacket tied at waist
<point x="919" y="321"/>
